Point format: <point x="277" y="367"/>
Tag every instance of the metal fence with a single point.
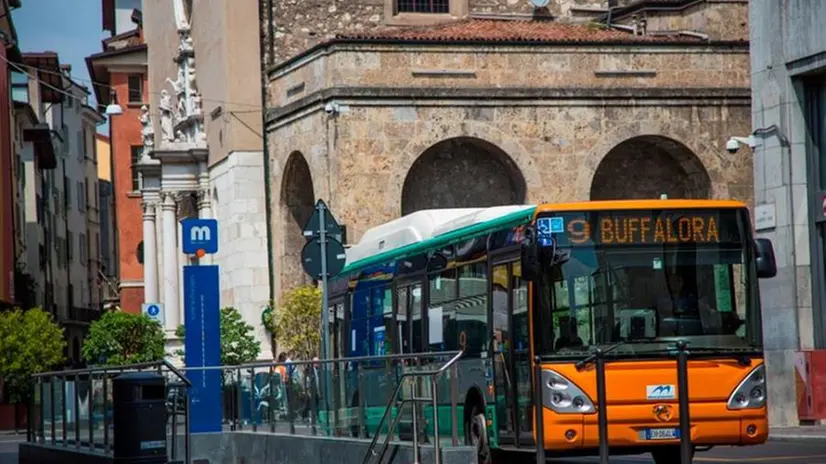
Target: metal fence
<point x="345" y="397"/>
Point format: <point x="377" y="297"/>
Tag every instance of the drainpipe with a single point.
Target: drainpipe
<point x="267" y="187"/>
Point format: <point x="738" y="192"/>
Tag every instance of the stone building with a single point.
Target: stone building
<point x="385" y="107"/>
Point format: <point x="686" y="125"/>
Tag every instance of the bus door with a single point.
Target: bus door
<point x="409" y="317"/>
<point x="512" y="361"/>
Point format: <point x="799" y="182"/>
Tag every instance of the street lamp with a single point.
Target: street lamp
<point x="113" y="109"/>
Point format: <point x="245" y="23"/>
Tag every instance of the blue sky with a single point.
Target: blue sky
<point x="72" y="28"/>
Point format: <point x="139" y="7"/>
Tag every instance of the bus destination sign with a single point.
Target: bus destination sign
<point x="611" y="228"/>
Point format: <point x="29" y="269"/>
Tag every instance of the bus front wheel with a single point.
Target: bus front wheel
<point x="476" y="434"/>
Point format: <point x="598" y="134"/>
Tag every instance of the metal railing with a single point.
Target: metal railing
<point x="686" y="446"/>
<point x="67" y="427"/>
<point x="338" y="397"/>
<point x="396" y="402"/>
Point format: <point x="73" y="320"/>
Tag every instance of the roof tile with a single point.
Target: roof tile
<point x="494" y="30"/>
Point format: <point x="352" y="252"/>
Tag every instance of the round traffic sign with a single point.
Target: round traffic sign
<point x="311" y="257"/>
<point x="153" y="310"/>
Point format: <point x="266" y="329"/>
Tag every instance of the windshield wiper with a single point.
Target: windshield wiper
<point x="742" y="359"/>
<point x="603" y="351"/>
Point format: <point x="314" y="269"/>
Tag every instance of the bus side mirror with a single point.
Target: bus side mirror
<point x="766" y="264"/>
<point x="530" y="255"/>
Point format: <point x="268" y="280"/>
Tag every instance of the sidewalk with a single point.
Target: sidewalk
<point x="801" y="433"/>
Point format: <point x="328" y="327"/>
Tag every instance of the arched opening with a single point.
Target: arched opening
<point x="76" y="350"/>
<point x="462" y="172"/>
<point x="647" y="167"/>
<point x="297" y="202"/>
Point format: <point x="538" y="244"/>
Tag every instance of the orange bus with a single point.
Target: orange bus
<point x="539" y="289"/>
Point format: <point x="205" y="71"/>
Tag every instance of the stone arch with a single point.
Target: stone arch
<point x="648" y="166"/>
<point x="426" y="137"/>
<point x="692" y="152"/>
<point x="462" y="172"/>
<point x="297" y="201"/>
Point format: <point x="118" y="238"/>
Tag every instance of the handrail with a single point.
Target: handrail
<point x="431" y="373"/>
<point x="128" y="367"/>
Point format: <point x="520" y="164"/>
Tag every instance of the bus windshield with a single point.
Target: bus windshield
<point x="646" y="276"/>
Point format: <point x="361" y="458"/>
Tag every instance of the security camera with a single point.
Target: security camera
<point x="734" y="143"/>
<point x="732" y="146"/>
<point x="331" y="108"/>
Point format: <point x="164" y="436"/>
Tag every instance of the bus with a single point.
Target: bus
<point x="515" y="285"/>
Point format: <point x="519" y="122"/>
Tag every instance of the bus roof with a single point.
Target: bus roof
<point x="416" y="232"/>
<point x="430" y="228"/>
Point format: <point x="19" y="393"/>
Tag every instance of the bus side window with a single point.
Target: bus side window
<point x="472" y="310"/>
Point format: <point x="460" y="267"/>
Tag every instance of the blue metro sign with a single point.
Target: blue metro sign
<point x="199" y="234"/>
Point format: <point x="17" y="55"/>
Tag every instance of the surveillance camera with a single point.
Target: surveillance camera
<point x="330" y="108"/>
<point x="732" y="146"/>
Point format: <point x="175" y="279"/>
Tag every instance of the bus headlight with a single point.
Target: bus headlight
<point x="563" y="396"/>
<point x="751" y="393"/>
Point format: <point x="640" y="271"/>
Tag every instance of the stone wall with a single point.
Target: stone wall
<point x="301" y="24"/>
<point x="239" y="205"/>
<point x="720" y="19"/>
<point x="351" y="65"/>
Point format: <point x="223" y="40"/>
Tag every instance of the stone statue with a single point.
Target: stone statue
<point x="179" y="136"/>
<point x="186" y="46"/>
<point x="166" y="116"/>
<point x="196" y="104"/>
<point x="190" y="75"/>
<point x="147" y="132"/>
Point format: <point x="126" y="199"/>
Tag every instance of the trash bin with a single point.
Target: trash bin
<point x="139" y="418"/>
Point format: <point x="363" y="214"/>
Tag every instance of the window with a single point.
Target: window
<point x="82" y="245"/>
<point x="67" y="196"/>
<point x="137" y="180"/>
<point x="70" y="238"/>
<point x="19" y="87"/>
<point x="68" y="100"/>
<point x="423" y="6"/>
<point x="135" y="83"/>
<point x="81" y="145"/>
<point x="81" y="196"/>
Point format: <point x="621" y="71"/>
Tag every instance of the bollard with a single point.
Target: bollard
<point x="685" y="417"/>
<point x="539" y="413"/>
<point x="602" y="409"/>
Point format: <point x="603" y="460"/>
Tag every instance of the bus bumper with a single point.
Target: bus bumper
<point x="631" y="425"/>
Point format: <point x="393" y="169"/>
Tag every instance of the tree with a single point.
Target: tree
<point x="30" y="342"/>
<point x="120" y="338"/>
<point x="238" y="343"/>
<point x="297" y="323"/>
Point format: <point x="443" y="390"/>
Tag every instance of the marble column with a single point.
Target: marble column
<point x="170" y="260"/>
<point x="150" y="254"/>
<point x="204" y="212"/>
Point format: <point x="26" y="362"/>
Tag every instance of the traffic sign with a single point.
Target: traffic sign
<point x="199" y="235"/>
<point x="313" y="226"/>
<point x="153" y="311"/>
<point x="311" y="257"/>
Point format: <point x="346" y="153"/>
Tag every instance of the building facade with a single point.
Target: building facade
<point x="108" y="251"/>
<point x="8" y="210"/>
<point x="120" y="69"/>
<point x="223" y="178"/>
<point x="788" y="65"/>
<point x="379" y="120"/>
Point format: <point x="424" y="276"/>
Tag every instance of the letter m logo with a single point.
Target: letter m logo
<point x="199" y="234"/>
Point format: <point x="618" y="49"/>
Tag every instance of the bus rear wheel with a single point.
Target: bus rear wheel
<point x="476" y="435"/>
<point x="668" y="455"/>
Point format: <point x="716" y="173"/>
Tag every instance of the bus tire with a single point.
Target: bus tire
<point x="667" y="455"/>
<point x="476" y="434"/>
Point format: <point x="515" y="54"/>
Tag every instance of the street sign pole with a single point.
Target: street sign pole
<point x="325" y="319"/>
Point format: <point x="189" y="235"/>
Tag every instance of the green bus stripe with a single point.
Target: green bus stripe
<point x="449" y="238"/>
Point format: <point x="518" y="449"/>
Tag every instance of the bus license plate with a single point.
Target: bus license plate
<point x="662" y="434"/>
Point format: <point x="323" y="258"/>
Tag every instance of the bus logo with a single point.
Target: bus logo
<point x="660" y="392"/>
